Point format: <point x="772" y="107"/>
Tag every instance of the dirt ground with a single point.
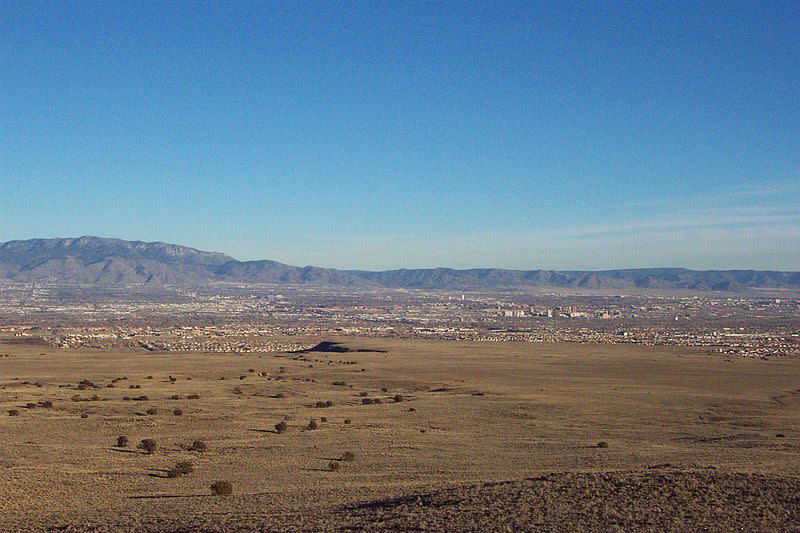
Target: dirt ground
<point x="486" y="436"/>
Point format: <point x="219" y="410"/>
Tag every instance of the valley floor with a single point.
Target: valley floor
<point x="470" y="436"/>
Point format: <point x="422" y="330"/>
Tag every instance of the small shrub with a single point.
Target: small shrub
<point x="181" y="468"/>
<point x="84" y="415"/>
<point x="193" y="397"/>
<point x="251" y="370"/>
<point x="198" y="446"/>
<point x="237" y="390"/>
<point x="122" y="441"/>
<point x="221" y="488"/>
<point x="177" y="412"/>
<point x="333" y="466"/>
<point x="376" y="400"/>
<point x="152" y="411"/>
<point x="149" y="377"/>
<point x="348" y="421"/>
<point x="367" y="401"/>
<point x="319" y="404"/>
<point x="348" y="456"/>
<point x="312" y="424"/>
<point x="142" y="398"/>
<point x="30" y="405"/>
<point x="47" y="404"/>
<point x="148" y="445"/>
<point x="602" y="444"/>
<point x="86" y="384"/>
<point x="13" y="412"/>
<point x="280" y="395"/>
<point x="172" y="379"/>
<point x="323" y="419"/>
<point x="281" y="426"/>
<point x="175" y="397"/>
<point x="399" y="398"/>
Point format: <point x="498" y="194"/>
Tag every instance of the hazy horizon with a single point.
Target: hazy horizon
<point x="380" y="136"/>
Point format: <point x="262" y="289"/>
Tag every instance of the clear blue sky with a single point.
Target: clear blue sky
<point x="409" y="134"/>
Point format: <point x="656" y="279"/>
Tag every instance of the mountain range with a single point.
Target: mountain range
<point x="102" y="261"/>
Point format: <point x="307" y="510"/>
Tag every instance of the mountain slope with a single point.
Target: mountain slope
<point x="98" y="260"/>
<point x="95" y="260"/>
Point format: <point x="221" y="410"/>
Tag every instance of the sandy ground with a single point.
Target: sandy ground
<point x="488" y="436"/>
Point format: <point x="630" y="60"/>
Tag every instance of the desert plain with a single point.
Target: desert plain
<point x="466" y="436"/>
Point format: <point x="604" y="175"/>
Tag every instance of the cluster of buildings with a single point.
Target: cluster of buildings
<point x="245" y="318"/>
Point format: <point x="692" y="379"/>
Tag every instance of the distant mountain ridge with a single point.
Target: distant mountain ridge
<point x="102" y="261"/>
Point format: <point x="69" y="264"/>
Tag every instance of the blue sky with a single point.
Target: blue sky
<point x="409" y="134"/>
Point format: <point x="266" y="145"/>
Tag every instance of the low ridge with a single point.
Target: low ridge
<point x="96" y="260"/>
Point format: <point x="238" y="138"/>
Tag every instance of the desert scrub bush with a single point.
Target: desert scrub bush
<point x="367" y="401"/>
<point x="148" y="445"/>
<point x="333" y="466"/>
<point x="193" y="397"/>
<point x="46" y="404"/>
<point x="30" y="405"/>
<point x="181" y="468"/>
<point x="84" y="415"/>
<point x="122" y="441"/>
<point x="323" y="419"/>
<point x="86" y="384"/>
<point x="312" y="424"/>
<point x="142" y="398"/>
<point x="177" y="412"/>
<point x="221" y="488"/>
<point x="376" y="400"/>
<point x="601" y="444"/>
<point x="152" y="411"/>
<point x="399" y="398"/>
<point x="237" y="390"/>
<point x="280" y="395"/>
<point x="348" y="421"/>
<point x="198" y="446"/>
<point x="175" y="397"/>
<point x="172" y="379"/>
<point x="13" y="412"/>
<point x="281" y="426"/>
<point x="348" y="456"/>
<point x="340" y="383"/>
